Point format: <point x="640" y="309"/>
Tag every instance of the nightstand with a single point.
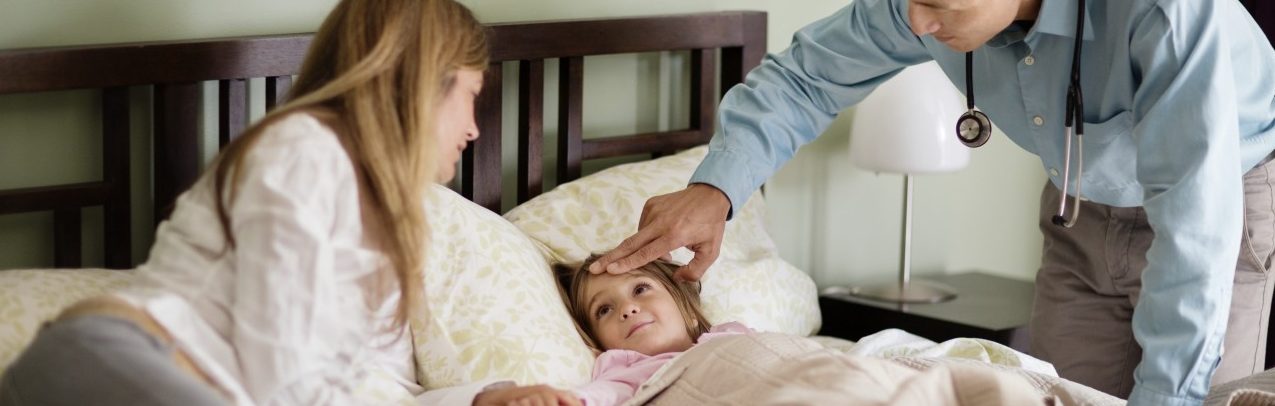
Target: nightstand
<point x="986" y="306"/>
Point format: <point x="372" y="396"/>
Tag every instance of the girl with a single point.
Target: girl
<point x="641" y="320"/>
<point x="638" y="321"/>
<point x="285" y="274"/>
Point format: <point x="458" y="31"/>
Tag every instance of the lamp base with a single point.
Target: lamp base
<point x="916" y="291"/>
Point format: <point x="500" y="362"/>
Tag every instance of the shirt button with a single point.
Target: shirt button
<point x="1053" y="172"/>
<point x="1029" y="60"/>
<point x="1038" y="120"/>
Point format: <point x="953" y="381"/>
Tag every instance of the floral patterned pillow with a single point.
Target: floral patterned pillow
<point x="493" y="308"/>
<point x="748" y="283"/>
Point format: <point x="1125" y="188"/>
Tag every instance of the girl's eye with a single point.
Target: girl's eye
<point x="641" y="288"/>
<point x="602" y="311"/>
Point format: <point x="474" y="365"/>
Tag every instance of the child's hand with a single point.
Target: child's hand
<point x="538" y="395"/>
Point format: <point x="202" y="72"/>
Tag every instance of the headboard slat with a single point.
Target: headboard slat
<point x="531" y="94"/>
<point x="73" y="195"/>
<point x="703" y="70"/>
<point x="481" y="173"/>
<point x="643" y="143"/>
<point x="737" y="61"/>
<point x="232" y="109"/>
<point x="48" y="69"/>
<point x="570" y="118"/>
<point x="66" y="237"/>
<point x="177" y="156"/>
<point x="555" y="39"/>
<point x="117" y="212"/>
<point x="277" y="90"/>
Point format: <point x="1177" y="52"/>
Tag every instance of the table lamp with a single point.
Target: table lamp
<point x="907" y="126"/>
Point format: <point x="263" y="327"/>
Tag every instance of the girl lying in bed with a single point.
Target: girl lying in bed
<point x="638" y="321"/>
<point x="645" y="321"/>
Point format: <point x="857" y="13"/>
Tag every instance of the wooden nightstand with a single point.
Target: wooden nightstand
<point x="986" y="306"/>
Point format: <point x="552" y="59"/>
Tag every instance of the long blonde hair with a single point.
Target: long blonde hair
<point x="575" y="281"/>
<point x="376" y="71"/>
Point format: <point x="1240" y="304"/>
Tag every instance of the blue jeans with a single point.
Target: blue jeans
<point x="100" y="360"/>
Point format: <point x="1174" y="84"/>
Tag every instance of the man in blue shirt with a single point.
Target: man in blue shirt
<point x="1179" y="113"/>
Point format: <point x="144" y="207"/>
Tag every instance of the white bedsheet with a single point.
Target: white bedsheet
<point x="891" y="343"/>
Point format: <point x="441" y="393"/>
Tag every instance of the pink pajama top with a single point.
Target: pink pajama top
<point x="617" y="374"/>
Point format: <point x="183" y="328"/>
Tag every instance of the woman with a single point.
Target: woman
<point x="287" y="272"/>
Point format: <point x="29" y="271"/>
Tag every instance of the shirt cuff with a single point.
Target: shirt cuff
<point x="1142" y="396"/>
<point x="460" y="395"/>
<point x="728" y="172"/>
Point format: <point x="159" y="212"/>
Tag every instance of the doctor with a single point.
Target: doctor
<point x="1176" y="226"/>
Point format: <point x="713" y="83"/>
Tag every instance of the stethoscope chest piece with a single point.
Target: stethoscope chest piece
<point x="973" y="129"/>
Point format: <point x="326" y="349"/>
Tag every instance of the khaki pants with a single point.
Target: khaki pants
<point x="1091" y="276"/>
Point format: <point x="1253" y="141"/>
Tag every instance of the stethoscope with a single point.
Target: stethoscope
<point x="974" y="128"/>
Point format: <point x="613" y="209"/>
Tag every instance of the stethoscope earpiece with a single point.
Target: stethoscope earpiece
<point x="973" y="129"/>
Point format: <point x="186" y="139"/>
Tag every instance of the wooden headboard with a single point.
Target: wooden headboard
<point x="723" y="46"/>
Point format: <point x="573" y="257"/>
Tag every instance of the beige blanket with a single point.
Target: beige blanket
<point x="770" y="369"/>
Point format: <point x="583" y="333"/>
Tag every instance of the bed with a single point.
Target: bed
<point x="465" y="337"/>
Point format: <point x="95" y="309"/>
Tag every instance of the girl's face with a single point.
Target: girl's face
<point x="962" y="25"/>
<point x="632" y="311"/>
<point x="454" y="123"/>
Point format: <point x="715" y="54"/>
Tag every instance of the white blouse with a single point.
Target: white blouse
<point x="302" y="308"/>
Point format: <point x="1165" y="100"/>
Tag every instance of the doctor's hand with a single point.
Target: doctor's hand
<point x="694" y="218"/>
<point x="537" y="395"/>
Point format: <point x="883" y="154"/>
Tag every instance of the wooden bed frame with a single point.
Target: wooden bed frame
<point x="723" y="46"/>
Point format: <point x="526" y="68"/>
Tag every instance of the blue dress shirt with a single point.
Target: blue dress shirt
<point x="1179" y="101"/>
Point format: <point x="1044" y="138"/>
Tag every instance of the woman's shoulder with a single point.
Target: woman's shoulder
<point x="300" y="155"/>
<point x="298" y="129"/>
<point x="297" y="139"/>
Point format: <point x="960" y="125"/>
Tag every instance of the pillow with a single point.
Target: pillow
<point x="748" y="283"/>
<point x="30" y="297"/>
<point x="492" y="306"/>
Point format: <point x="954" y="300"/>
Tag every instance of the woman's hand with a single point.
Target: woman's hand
<point x="537" y="395"/>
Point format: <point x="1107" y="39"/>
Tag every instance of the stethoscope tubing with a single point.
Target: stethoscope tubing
<point x="1073" y="124"/>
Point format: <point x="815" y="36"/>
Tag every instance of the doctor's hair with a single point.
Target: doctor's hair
<point x="376" y="73"/>
<point x="575" y="281"/>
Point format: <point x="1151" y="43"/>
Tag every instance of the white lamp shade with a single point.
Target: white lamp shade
<point x="908" y="125"/>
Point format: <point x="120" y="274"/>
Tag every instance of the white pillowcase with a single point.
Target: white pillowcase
<point x="748" y="283"/>
<point x="492" y="305"/>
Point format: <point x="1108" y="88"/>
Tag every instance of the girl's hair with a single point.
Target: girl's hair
<point x="375" y="73"/>
<point x="685" y="294"/>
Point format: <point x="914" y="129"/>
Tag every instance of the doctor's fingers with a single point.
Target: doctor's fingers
<point x="627" y="247"/>
<point x="632" y="254"/>
<point x="705" y="254"/>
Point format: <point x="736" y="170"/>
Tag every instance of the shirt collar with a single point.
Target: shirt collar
<point x="1057" y="17"/>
